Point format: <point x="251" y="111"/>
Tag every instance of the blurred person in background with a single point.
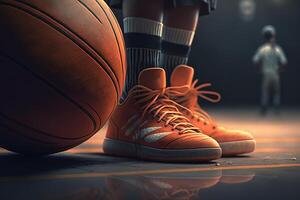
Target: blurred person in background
<point x="271" y="60"/>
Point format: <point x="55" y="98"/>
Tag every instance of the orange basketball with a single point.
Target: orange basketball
<point x="62" y="69"/>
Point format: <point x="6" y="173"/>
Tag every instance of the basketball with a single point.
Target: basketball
<point x="62" y="70"/>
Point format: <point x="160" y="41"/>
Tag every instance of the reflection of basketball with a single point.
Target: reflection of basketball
<point x="62" y="68"/>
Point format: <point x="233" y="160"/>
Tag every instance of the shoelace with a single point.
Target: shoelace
<point x="183" y="98"/>
<point x="157" y="103"/>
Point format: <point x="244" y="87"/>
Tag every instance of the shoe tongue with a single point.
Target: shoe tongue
<point x="182" y="76"/>
<point x="153" y="78"/>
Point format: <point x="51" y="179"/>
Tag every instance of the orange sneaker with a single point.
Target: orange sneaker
<point x="148" y="125"/>
<point x="185" y="92"/>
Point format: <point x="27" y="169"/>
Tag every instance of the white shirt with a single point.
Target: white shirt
<point x="271" y="57"/>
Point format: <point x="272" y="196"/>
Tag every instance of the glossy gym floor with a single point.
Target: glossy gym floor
<point x="271" y="172"/>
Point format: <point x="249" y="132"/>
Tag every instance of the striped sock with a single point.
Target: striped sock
<point x="176" y="46"/>
<point x="143" y="43"/>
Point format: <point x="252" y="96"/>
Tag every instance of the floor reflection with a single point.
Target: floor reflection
<point x="160" y="187"/>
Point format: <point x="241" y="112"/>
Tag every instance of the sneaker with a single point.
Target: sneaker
<point x="148" y="125"/>
<point x="185" y="92"/>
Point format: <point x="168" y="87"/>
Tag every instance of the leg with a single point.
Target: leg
<point x="276" y="89"/>
<point x="178" y="34"/>
<point x="265" y="94"/>
<point x="142" y="31"/>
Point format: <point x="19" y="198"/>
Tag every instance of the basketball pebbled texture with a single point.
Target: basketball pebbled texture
<point x="62" y="70"/>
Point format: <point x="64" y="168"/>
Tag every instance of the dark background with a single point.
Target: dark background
<point x="225" y="43"/>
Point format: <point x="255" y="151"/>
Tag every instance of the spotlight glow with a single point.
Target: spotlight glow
<point x="247" y="9"/>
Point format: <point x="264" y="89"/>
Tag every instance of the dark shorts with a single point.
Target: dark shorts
<point x="206" y="6"/>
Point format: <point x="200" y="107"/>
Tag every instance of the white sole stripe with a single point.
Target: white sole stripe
<point x="146" y="131"/>
<point x="157" y="136"/>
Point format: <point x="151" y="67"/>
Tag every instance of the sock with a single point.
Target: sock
<point x="176" y="46"/>
<point x="143" y="43"/>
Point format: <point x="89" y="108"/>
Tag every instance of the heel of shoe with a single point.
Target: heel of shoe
<point x="119" y="148"/>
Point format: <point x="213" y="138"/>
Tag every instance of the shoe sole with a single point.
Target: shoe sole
<point x="237" y="147"/>
<point x="125" y="149"/>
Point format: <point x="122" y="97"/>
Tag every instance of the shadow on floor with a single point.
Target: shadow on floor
<point x="15" y="164"/>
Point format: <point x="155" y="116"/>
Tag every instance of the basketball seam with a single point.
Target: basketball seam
<point x="124" y="70"/>
<point x="61" y="147"/>
<point x="122" y="62"/>
<point x="36" y="130"/>
<point x="92" y="108"/>
<point x="17" y="131"/>
<point x="59" y="92"/>
<point x="63" y="32"/>
<point x="81" y="2"/>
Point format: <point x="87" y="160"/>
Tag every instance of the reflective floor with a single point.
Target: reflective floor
<point x="272" y="172"/>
